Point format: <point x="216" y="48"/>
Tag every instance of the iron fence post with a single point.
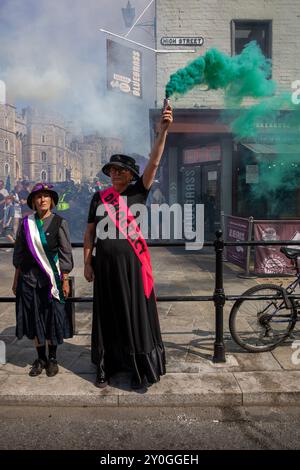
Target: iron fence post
<point x="219" y="300"/>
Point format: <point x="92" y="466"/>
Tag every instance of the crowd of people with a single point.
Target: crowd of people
<point x="73" y="205"/>
<point x="74" y="200"/>
<point x="13" y="206"/>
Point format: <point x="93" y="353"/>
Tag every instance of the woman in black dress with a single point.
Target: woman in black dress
<point x="43" y="259"/>
<point x="125" y="331"/>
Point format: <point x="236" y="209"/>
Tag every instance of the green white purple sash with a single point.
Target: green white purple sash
<point x="38" y="246"/>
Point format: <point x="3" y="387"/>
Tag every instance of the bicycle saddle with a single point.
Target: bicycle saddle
<point x="291" y="253"/>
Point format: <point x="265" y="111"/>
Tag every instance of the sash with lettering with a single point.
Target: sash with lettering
<point x="38" y="246"/>
<point x="123" y="219"/>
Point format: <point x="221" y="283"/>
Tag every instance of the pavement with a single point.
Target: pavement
<point x="192" y="379"/>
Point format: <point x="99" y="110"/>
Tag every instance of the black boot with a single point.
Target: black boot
<point x="40" y="363"/>
<point x="101" y="378"/>
<point x="37" y="367"/>
<point x="52" y="365"/>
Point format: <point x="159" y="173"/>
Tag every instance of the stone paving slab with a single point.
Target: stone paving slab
<point x="61" y="390"/>
<point x="174" y="389"/>
<point x="269" y="388"/>
<point x="192" y="378"/>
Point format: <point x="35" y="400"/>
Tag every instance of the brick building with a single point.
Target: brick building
<point x="41" y="146"/>
<point x="202" y="159"/>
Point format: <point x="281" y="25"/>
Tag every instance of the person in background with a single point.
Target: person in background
<point x="17" y="206"/>
<point x="3" y="194"/>
<point x="23" y="195"/>
<point x="8" y="219"/>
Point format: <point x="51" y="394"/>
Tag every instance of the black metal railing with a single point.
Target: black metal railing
<point x="218" y="297"/>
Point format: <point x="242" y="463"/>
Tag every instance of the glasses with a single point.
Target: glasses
<point x="117" y="169"/>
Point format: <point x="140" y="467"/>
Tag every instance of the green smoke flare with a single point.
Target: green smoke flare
<point x="244" y="75"/>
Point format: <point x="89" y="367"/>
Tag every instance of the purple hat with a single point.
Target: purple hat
<point x="42" y="187"/>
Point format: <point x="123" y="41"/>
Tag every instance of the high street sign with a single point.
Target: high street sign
<point x="182" y="41"/>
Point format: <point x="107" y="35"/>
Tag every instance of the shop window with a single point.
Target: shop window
<point x="245" y="31"/>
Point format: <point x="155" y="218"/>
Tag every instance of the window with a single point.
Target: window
<point x="44" y="175"/>
<point x="245" y="31"/>
<point x="44" y="157"/>
<point x="207" y="153"/>
<point x="6" y="145"/>
<point x="43" y="139"/>
<point x="6" y="169"/>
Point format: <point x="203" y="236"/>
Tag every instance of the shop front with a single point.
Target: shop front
<point x="197" y="164"/>
<point x="266" y="180"/>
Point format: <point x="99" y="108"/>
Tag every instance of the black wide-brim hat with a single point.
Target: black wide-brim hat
<point x="123" y="161"/>
<point x="42" y="187"/>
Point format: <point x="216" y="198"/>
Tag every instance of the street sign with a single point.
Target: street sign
<point x="182" y="41"/>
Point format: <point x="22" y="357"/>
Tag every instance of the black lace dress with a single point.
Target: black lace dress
<point x="125" y="333"/>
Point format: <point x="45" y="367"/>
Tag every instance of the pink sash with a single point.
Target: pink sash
<point x="125" y="222"/>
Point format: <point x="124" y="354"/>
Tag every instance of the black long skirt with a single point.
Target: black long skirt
<point x="39" y="317"/>
<point x="125" y="333"/>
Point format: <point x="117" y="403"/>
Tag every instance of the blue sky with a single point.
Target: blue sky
<point x="52" y="54"/>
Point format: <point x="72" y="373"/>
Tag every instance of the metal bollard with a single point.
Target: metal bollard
<point x="2" y="352"/>
<point x="219" y="300"/>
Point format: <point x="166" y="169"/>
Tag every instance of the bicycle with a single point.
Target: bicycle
<point x="259" y="325"/>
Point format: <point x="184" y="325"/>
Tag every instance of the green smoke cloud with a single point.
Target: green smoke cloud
<point x="244" y="75"/>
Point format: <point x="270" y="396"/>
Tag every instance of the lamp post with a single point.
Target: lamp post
<point x="128" y="15"/>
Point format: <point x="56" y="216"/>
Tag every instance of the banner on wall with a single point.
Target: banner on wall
<point x="237" y="229"/>
<point x="124" y="69"/>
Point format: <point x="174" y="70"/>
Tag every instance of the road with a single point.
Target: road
<point x="149" y="428"/>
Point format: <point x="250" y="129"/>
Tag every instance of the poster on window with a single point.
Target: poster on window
<point x="237" y="229"/>
<point x="269" y="259"/>
<point x="124" y="69"/>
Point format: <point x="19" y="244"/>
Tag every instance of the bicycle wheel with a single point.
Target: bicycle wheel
<point x="260" y="325"/>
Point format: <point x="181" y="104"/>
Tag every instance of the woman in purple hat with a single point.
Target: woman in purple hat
<point x="125" y="332"/>
<point x="43" y="260"/>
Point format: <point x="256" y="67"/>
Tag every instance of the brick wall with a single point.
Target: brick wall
<point x="211" y="19"/>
